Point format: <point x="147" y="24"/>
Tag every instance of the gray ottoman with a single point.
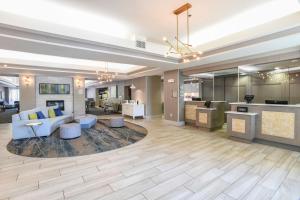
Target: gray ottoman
<point x="70" y="131"/>
<point x="116" y="122"/>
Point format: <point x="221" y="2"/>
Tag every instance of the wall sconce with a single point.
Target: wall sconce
<point x="27" y="80"/>
<point x="78" y="83"/>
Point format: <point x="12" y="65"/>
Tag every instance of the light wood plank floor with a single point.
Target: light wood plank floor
<point x="171" y="163"/>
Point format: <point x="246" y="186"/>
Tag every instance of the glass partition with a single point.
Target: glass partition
<point x="191" y="89"/>
<point x="274" y="82"/>
<point x="219" y="85"/>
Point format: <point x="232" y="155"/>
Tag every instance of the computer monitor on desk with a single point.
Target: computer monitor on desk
<point x="276" y="102"/>
<point x="196" y="99"/>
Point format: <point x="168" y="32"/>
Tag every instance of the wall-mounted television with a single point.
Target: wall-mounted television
<point x="50" y="88"/>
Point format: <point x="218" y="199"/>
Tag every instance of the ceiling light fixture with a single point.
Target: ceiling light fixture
<point x="106" y="76"/>
<point x="180" y="48"/>
<point x="132" y="85"/>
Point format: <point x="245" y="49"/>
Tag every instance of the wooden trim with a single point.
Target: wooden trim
<point x="182" y="9"/>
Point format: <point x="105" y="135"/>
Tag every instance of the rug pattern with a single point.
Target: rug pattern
<point x="94" y="140"/>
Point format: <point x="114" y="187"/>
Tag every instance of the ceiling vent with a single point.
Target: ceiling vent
<point x="140" y="44"/>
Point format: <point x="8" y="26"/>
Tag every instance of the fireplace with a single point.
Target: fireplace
<point x="59" y="103"/>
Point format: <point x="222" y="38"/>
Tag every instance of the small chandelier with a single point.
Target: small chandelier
<point x="184" y="50"/>
<point x="106" y="76"/>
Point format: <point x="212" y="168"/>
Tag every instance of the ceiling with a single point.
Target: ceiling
<point x="83" y="35"/>
<point x="154" y="19"/>
<point x="38" y="60"/>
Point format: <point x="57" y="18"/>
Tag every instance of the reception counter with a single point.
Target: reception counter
<point x="209" y="118"/>
<point x="242" y="125"/>
<point x="276" y="123"/>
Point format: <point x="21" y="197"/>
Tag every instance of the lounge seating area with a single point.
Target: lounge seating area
<point x="49" y="122"/>
<point x="48" y="126"/>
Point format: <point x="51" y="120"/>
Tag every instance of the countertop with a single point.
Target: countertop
<point x="241" y="113"/>
<point x="262" y="104"/>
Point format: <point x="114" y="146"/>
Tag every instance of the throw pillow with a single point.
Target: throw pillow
<point x="32" y="116"/>
<point x="40" y="115"/>
<point x="51" y="113"/>
<point x="58" y="112"/>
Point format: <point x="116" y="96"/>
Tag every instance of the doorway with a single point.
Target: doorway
<point x="127" y="93"/>
<point x="9" y="97"/>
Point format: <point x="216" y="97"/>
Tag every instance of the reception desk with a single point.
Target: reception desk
<point x="276" y="123"/>
<point x="242" y="125"/>
<point x="209" y="118"/>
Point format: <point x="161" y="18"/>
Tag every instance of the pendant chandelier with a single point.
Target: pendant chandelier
<point x="106" y="76"/>
<point x="182" y="49"/>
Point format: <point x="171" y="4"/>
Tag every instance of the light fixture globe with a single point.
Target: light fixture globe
<point x="106" y="76"/>
<point x="132" y="86"/>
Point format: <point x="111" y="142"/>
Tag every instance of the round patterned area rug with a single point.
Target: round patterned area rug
<point x="94" y="140"/>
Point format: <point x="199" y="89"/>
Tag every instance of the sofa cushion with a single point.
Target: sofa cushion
<point x="24" y="114"/>
<point x="58" y="112"/>
<point x="32" y="116"/>
<point x="40" y="115"/>
<point x="51" y="113"/>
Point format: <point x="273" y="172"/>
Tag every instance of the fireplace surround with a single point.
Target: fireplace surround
<point x="59" y="103"/>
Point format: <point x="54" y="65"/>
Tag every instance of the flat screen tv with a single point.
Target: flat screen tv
<point x="50" y="88"/>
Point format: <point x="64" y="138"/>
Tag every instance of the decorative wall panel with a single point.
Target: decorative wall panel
<point x="239" y="125"/>
<point x="203" y="118"/>
<point x="190" y="112"/>
<point x="280" y="124"/>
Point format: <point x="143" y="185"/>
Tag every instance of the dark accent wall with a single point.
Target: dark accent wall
<point x="6" y="94"/>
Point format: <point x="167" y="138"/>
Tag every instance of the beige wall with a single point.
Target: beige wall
<point x="79" y="96"/>
<point x="174" y="106"/>
<point x="27" y="93"/>
<point x="154" y="103"/>
<point x="139" y="93"/>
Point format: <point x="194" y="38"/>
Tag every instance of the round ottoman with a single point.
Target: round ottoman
<point x="116" y="122"/>
<point x="70" y="131"/>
